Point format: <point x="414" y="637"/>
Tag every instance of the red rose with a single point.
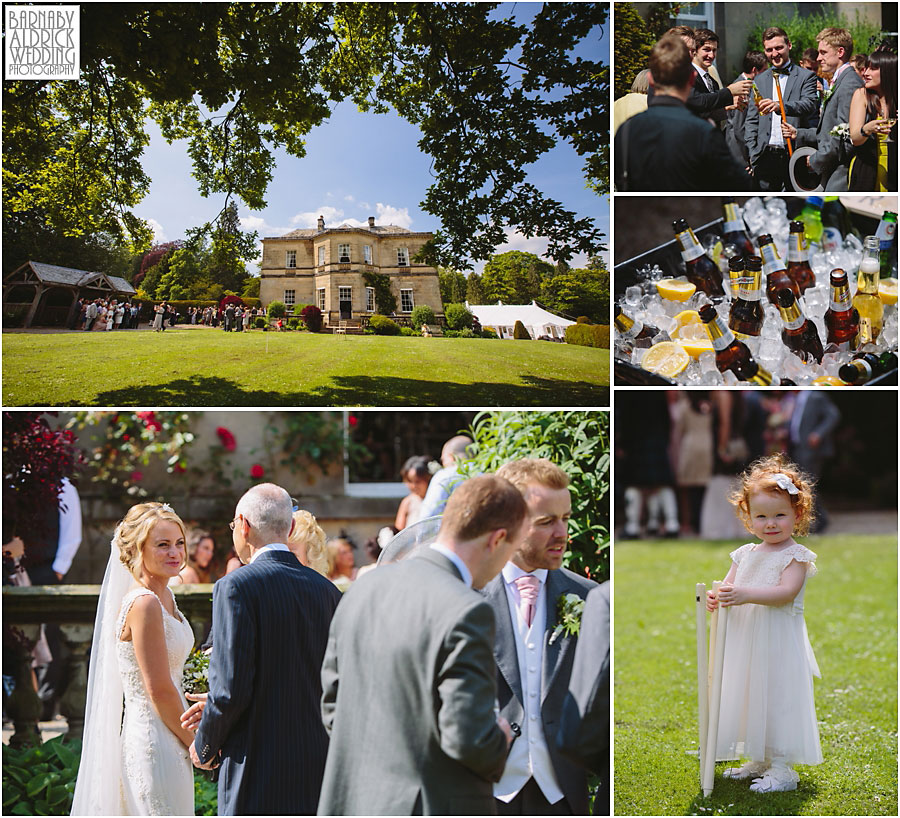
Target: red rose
<point x="126" y="437"/>
<point x="137" y="476"/>
<point x="226" y="439"/>
<point x="179" y="469"/>
<point x="256" y="471"/>
<point x="352" y="420"/>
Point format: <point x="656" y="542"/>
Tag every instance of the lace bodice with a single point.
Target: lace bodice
<point x="179" y="641"/>
<point x="764" y="568"/>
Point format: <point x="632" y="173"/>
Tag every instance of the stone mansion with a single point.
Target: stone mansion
<point x="325" y="267"/>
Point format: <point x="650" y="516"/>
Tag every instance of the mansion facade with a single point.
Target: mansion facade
<point x="325" y="267"/>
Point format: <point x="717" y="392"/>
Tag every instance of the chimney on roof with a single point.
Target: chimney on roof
<point x="371" y="222"/>
<point x="321" y="223"/>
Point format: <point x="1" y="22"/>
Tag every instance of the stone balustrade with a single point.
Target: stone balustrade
<point x="74" y="609"/>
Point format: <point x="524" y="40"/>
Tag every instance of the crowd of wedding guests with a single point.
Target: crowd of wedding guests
<point x="682" y="129"/>
<point x="234" y="317"/>
<point x="102" y="315"/>
<point x="677" y="454"/>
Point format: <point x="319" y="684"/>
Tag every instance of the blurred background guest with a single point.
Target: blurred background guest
<point x="341" y="562"/>
<point x="375" y="545"/>
<point x="692" y="453"/>
<point x="634" y="102"/>
<point x="201" y="553"/>
<point x="416" y="477"/>
<point x="307" y="542"/>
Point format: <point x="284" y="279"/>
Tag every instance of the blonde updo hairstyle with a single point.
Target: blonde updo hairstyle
<point x="308" y="531"/>
<point x="760" y="476"/>
<point x="134" y="529"/>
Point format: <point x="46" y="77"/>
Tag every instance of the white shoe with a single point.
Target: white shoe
<point x="776" y="779"/>
<point x="749" y="770"/>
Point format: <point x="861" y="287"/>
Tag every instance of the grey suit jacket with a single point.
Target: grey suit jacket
<point x="832" y="157"/>
<point x="408" y="695"/>
<point x="800" y="103"/>
<point x="555" y="674"/>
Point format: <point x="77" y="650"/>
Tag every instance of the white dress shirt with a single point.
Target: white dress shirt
<point x="275" y="546"/>
<point x="69" y="528"/>
<point x="529" y="757"/>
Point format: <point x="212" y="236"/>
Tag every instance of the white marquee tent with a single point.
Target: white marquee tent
<point x="502" y="318"/>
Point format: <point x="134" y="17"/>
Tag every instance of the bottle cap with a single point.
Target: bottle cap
<point x="818" y="201"/>
<point x="785" y="297"/>
<point x="707" y="313"/>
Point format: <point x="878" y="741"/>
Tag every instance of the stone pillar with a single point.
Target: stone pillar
<point x="73" y="701"/>
<point x="23" y="705"/>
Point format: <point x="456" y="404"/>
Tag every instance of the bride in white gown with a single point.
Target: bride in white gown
<point x="139" y="764"/>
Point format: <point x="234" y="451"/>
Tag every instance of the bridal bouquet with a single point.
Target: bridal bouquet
<point x="195" y="677"/>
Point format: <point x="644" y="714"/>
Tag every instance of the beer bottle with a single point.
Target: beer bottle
<point x="866" y="366"/>
<point x="887" y="251"/>
<point x="867" y="301"/>
<point x="799" y="333"/>
<point x="734" y="235"/>
<point x="730" y="352"/>
<point x="841" y="318"/>
<point x="811" y="216"/>
<point x="701" y="270"/>
<point x="798" y="258"/>
<point x="632" y="328"/>
<point x="746" y="316"/>
<point x="735" y="274"/>
<point x="776" y="273"/>
<point x="837" y="224"/>
<point x="761" y="377"/>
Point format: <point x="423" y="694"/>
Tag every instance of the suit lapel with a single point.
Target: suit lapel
<point x="553" y="654"/>
<point x="505" y="642"/>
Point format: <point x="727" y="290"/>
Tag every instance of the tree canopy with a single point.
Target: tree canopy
<point x="238" y="80"/>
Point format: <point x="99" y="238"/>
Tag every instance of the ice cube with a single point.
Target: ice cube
<point x="711" y="377"/>
<point x="637" y="355"/>
<point x="707" y="361"/>
<point x="730" y="378"/>
<point x="633" y="296"/>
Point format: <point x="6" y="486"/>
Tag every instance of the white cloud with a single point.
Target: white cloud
<point x="159" y="233"/>
<point x="308" y="219"/>
<point x="536" y="245"/>
<point x="349" y="198"/>
<point x="365" y="205"/>
<point x="392" y="215"/>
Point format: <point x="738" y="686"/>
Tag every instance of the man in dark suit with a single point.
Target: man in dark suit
<point x="668" y="148"/>
<point x="831" y="159"/>
<point x="754" y="63"/>
<point x="534" y="665"/>
<point x="408" y="678"/>
<point x="261" y="721"/>
<point x="762" y="128"/>
<point x="583" y="735"/>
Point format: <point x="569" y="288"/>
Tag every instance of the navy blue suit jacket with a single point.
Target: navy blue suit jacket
<point x="270" y="630"/>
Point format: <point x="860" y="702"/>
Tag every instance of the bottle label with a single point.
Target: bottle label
<point x="797" y="250"/>
<point x="749" y="289"/>
<point x="690" y="247"/>
<point x="792" y="322"/>
<point x="831" y="239"/>
<point x="725" y="340"/>
<point x="771" y="260"/>
<point x="886" y="231"/>
<point x="733" y="220"/>
<point x="840" y="299"/>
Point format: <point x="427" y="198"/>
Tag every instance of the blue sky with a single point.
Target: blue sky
<point x="356" y="165"/>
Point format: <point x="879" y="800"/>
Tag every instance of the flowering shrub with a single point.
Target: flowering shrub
<point x="257" y="471"/>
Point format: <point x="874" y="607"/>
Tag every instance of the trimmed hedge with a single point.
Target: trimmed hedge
<point x="520" y="333"/>
<point x="457" y="316"/>
<point x="276" y="309"/>
<point x="312" y="317"/>
<point x="422" y="315"/>
<point x="382" y="325"/>
<point x="588" y="335"/>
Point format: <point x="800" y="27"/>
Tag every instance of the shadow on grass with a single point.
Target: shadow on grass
<point x="357" y="390"/>
<point x="730" y="797"/>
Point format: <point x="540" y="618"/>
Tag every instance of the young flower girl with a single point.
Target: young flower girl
<point x="768" y="714"/>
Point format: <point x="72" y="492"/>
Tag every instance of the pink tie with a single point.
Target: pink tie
<point x="528" y="586"/>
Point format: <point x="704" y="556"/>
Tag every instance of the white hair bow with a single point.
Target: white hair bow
<point x="167" y="507"/>
<point x="784" y="482"/>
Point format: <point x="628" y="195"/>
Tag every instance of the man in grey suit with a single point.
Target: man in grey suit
<point x="409" y="694"/>
<point x="832" y="157"/>
<point x="534" y="665"/>
<point x="762" y="127"/>
<point x="270" y="627"/>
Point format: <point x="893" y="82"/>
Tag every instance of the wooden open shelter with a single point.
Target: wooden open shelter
<point x="47" y="295"/>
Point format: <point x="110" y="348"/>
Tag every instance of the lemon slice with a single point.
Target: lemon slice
<point x="828" y="380"/>
<point x="666" y="358"/>
<point x="695" y="347"/>
<point x="674" y="289"/>
<point x="684" y="319"/>
<point x="887" y="289"/>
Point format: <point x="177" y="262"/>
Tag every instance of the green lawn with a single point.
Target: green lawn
<point x="204" y="367"/>
<point x="851" y="614"/>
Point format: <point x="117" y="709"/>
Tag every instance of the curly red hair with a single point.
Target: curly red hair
<point x="760" y="476"/>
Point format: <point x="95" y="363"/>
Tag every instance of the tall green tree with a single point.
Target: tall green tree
<point x="453" y="285"/>
<point x="514" y="277"/>
<point x="582" y="291"/>
<point x="634" y="42"/>
<point x="474" y="290"/>
<point x="238" y="80"/>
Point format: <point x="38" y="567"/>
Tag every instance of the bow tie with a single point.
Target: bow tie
<point x="782" y="71"/>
